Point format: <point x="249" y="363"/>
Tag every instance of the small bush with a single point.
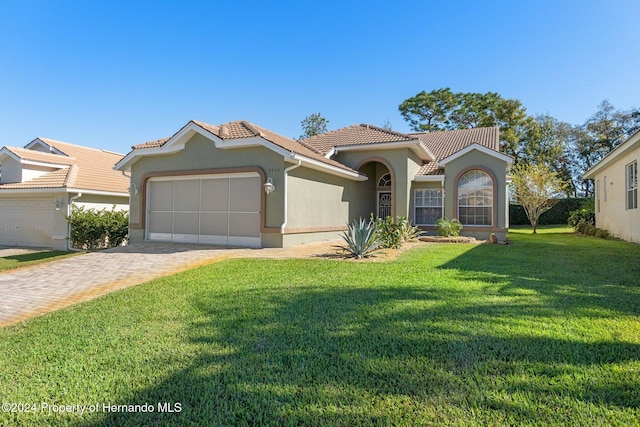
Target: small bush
<point x="392" y="233"/>
<point x="361" y="238"/>
<point x="448" y="227"/>
<point x="586" y="212"/>
<point x="92" y="229"/>
<point x="601" y="233"/>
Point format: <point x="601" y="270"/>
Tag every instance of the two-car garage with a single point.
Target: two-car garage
<point x="221" y="209"/>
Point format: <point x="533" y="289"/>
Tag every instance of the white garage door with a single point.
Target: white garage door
<point x="209" y="209"/>
<point x="26" y="222"/>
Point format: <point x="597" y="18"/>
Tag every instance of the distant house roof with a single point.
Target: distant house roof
<point x="78" y="167"/>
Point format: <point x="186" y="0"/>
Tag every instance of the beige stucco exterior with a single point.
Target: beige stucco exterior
<point x="610" y="179"/>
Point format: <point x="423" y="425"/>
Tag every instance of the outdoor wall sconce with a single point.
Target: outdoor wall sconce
<point x="133" y="189"/>
<point x="57" y="204"/>
<point x="269" y="187"/>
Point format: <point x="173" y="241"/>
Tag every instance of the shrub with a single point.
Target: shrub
<point x="558" y="214"/>
<point x="392" y="233"/>
<point x="601" y="233"/>
<point x="92" y="229"/>
<point x="361" y="238"/>
<point x="448" y="227"/>
<point x="586" y="212"/>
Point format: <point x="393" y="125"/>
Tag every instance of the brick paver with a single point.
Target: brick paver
<point x="46" y="287"/>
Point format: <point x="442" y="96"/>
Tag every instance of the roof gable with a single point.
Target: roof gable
<point x="366" y="137"/>
<point x="476" y="147"/>
<point x="238" y="134"/>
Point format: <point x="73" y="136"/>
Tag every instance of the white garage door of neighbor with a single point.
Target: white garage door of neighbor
<point x="26" y="222"/>
<point x="208" y="209"/>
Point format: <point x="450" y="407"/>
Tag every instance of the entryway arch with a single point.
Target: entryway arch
<point x="382" y="184"/>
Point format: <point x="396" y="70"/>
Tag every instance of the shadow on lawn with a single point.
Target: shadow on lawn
<point x="35" y="256"/>
<point x="316" y="356"/>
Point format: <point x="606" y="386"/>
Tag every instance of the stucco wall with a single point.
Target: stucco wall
<point x="404" y="163"/>
<point x="613" y="215"/>
<point x="200" y="153"/>
<point x="317" y="200"/>
<point x="97" y="202"/>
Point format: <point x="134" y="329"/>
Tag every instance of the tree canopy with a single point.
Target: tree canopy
<point x="536" y="188"/>
<point x="567" y="150"/>
<point x="313" y="124"/>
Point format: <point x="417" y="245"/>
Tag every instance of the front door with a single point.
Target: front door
<point x="384" y="204"/>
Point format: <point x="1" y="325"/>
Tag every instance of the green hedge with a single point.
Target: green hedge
<point x="93" y="229"/>
<point x="559" y="214"/>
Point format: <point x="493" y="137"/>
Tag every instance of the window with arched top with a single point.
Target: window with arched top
<point x="385" y="180"/>
<point x="475" y="198"/>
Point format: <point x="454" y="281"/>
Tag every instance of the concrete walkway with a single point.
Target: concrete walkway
<point x="38" y="289"/>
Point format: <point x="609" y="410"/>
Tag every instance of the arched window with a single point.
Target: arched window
<point x="475" y="198"/>
<point x="385" y="180"/>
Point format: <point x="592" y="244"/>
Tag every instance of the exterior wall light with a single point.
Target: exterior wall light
<point x="57" y="204"/>
<point x="269" y="187"/>
<point x="133" y="189"/>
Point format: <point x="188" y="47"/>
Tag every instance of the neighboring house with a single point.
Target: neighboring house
<point x="616" y="190"/>
<point x="41" y="180"/>
<point x="242" y="185"/>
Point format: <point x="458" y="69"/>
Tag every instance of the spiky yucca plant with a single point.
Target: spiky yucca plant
<point x="361" y="239"/>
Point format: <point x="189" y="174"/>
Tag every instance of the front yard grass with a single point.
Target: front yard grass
<point x="23" y="260"/>
<point x="544" y="331"/>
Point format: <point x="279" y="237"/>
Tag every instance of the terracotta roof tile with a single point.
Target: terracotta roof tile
<point x="354" y="135"/>
<point x="39" y="156"/>
<point x="243" y="129"/>
<point x="55" y="179"/>
<point x="444" y="143"/>
<point x="91" y="169"/>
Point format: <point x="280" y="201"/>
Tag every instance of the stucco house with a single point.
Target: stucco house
<point x="39" y="182"/>
<point x="239" y="184"/>
<point x="616" y="190"/>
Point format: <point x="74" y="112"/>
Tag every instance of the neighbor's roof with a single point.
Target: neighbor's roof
<point x="81" y="168"/>
<point x="242" y="129"/>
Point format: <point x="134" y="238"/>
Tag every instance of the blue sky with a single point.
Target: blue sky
<point x="111" y="74"/>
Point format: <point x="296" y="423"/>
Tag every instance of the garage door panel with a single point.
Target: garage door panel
<point x="214" y="224"/>
<point x="186" y="195"/>
<point x="214" y="195"/>
<point x="27" y="222"/>
<point x="244" y="224"/>
<point x="161" y="195"/>
<point x="245" y="195"/>
<point x="185" y="223"/>
<point x="211" y="210"/>
<point x="160" y="222"/>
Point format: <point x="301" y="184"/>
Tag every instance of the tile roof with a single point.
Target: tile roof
<point x="84" y="168"/>
<point x="39" y="156"/>
<point x="243" y="129"/>
<point x="354" y="135"/>
<point x="445" y="143"/>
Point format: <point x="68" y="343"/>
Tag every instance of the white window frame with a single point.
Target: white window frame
<point x="631" y="193"/>
<point x="490" y="206"/>
<point x="439" y="197"/>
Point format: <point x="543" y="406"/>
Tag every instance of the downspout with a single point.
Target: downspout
<point x="286" y="214"/>
<point x="69" y="247"/>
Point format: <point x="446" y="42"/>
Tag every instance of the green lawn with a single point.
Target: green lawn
<point x="23" y="260"/>
<point x="544" y="331"/>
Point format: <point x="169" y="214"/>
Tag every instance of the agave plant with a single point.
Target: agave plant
<point x="360" y="238"/>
